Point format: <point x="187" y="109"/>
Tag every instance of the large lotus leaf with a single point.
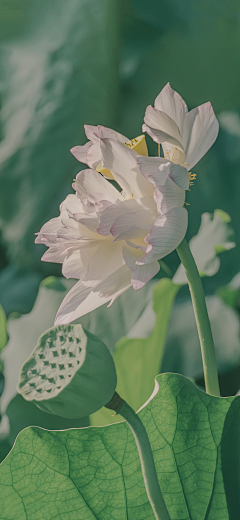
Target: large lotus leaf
<point x="215" y="235"/>
<point x="183" y="353"/>
<point x="95" y="473"/>
<point x="138" y="357"/>
<point x="109" y="324"/>
<point x="60" y="74"/>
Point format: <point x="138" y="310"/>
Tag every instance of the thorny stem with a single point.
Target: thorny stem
<point x="202" y="319"/>
<point x="145" y="453"/>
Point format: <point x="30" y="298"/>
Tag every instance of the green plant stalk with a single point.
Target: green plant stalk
<point x="146" y="457"/>
<point x="202" y="319"/>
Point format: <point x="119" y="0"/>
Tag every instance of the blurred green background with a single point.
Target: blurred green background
<point x="66" y="64"/>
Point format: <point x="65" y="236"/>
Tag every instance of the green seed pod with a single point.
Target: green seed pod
<point x="70" y="373"/>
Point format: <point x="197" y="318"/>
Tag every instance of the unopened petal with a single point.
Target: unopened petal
<point x="163" y="127"/>
<point x="170" y="102"/>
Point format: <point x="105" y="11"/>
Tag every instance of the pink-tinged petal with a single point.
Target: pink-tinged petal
<point x="91" y="133"/>
<point x="158" y="169"/>
<point x="81" y="300"/>
<point x="155" y="169"/>
<point x="199" y="133"/>
<point x="180" y="176"/>
<point x="165" y="235"/>
<point x="162" y="127"/>
<point x="106" y="259"/>
<point x="121" y="161"/>
<point x="141" y="274"/>
<point x="93" y="158"/>
<point x="168" y="197"/>
<point x="170" y="102"/>
<point x="104" y="132"/>
<point x="80" y="152"/>
<point x="111" y="213"/>
<point x="135" y="224"/>
<point x="49" y="230"/>
<point x="90" y="182"/>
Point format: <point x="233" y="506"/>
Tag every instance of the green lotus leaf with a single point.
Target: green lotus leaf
<point x="95" y="473"/>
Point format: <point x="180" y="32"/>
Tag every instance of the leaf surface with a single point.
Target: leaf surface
<point x="94" y="473"/>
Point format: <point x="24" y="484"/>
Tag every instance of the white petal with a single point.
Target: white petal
<point x="121" y="161"/>
<point x="73" y="266"/>
<point x="180" y="176"/>
<point x="76" y="261"/>
<point x="157" y="170"/>
<point x="93" y="158"/>
<point x="111" y="213"/>
<point x="166" y="234"/>
<point x="54" y="253"/>
<point x="80" y="152"/>
<point x="89" y="221"/>
<point x="93" y="183"/>
<point x="106" y="259"/>
<point x="91" y="133"/>
<point x="135" y="224"/>
<point x="141" y="274"/>
<point x="170" y="102"/>
<point x="173" y="154"/>
<point x="104" y="132"/>
<point x="168" y="197"/>
<point x="49" y="230"/>
<point x="199" y="133"/>
<point x="80" y="300"/>
<point x="162" y="127"/>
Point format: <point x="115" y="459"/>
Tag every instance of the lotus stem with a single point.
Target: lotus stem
<point x="145" y="453"/>
<point x="202" y="319"/>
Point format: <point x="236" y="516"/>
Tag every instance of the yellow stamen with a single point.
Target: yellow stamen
<point x="159" y="150"/>
<point x="139" y="145"/>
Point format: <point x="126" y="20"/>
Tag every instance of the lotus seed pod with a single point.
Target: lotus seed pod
<point x="70" y="373"/>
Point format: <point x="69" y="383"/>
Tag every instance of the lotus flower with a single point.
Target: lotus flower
<point x="185" y="136"/>
<point x="109" y="240"/>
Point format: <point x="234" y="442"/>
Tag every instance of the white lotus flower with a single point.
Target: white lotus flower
<point x="110" y="240"/>
<point x="185" y="136"/>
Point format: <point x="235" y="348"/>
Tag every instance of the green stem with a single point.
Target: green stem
<point x="202" y="319"/>
<point x="146" y="457"/>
